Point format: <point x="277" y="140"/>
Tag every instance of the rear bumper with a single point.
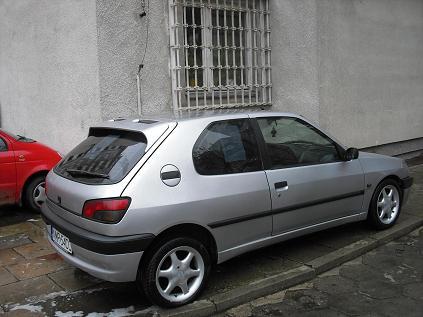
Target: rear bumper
<point x="114" y="259"/>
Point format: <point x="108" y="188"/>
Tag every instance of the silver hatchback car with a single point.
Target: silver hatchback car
<point x="159" y="201"/>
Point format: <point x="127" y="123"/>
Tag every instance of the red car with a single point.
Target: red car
<point x="24" y="164"/>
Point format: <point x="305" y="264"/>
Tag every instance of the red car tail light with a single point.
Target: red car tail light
<point x="108" y="210"/>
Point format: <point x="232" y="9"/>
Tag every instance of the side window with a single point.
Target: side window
<point x="226" y="147"/>
<point x="291" y="142"/>
<point x="3" y="146"/>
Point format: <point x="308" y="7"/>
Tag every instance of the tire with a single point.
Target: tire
<point x="34" y="193"/>
<point x="172" y="259"/>
<point x="385" y="205"/>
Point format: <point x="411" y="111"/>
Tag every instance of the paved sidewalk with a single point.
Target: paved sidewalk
<point x="387" y="281"/>
<point x="35" y="281"/>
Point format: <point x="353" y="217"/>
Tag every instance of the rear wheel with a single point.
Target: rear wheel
<point x="34" y="195"/>
<point x="176" y="272"/>
<point x="385" y="205"/>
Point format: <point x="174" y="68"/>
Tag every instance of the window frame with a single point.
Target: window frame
<point x="266" y="156"/>
<point x="251" y="127"/>
<point x="255" y="87"/>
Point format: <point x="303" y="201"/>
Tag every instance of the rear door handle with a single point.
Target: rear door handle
<point x="281" y="186"/>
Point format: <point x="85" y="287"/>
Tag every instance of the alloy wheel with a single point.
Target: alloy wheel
<point x="180" y="273"/>
<point x="388" y="204"/>
<point x="38" y="195"/>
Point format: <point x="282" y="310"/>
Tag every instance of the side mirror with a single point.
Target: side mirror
<point x="351" y="154"/>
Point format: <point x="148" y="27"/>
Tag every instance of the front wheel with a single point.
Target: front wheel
<point x="176" y="272"/>
<point x="385" y="205"/>
<point x="34" y="195"/>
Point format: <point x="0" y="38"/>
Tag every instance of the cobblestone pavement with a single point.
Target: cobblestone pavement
<point x="35" y="281"/>
<point x="387" y="281"/>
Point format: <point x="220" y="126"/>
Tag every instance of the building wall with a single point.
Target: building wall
<point x="353" y="66"/>
<point x="371" y="70"/>
<point x="294" y="60"/>
<point x="49" y="69"/>
<point x="123" y="44"/>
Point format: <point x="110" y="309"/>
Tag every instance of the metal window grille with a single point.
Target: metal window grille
<point x="220" y="53"/>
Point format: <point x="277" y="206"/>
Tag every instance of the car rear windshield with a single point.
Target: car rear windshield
<point x="105" y="157"/>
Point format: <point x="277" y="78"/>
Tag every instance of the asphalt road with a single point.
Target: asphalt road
<point x="387" y="281"/>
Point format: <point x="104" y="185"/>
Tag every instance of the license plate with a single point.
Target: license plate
<point x="61" y="240"/>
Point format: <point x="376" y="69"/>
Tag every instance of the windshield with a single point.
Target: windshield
<point x="10" y="134"/>
<point x="18" y="137"/>
<point x="105" y="157"/>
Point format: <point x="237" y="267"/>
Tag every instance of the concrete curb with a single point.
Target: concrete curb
<point x="223" y="301"/>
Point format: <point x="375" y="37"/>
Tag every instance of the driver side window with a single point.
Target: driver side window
<point x="293" y="142"/>
<point x="3" y="146"/>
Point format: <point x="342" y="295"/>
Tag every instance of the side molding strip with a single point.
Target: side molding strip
<point x="284" y="209"/>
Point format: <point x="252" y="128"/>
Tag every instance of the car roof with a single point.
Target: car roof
<point x="189" y="115"/>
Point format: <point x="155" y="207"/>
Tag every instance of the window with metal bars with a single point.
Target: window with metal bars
<point x="220" y="53"/>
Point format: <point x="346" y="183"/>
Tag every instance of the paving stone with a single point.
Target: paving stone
<point x="36" y="233"/>
<point x="35" y="250"/>
<point x="414" y="291"/>
<point x="15" y="240"/>
<point x="334" y="285"/>
<point x="6" y="277"/>
<point x="19" y="291"/>
<point x="240" y="311"/>
<point x="378" y="289"/>
<point x="74" y="279"/>
<point x="297" y="302"/>
<point x="11" y="230"/>
<point x="352" y="304"/>
<point x="399" y="306"/>
<point x="38" y="266"/>
<point x="9" y="256"/>
<point x="275" y="298"/>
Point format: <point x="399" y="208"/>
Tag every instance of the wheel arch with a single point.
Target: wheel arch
<point x="189" y="230"/>
<point x="390" y="176"/>
<point x="29" y="180"/>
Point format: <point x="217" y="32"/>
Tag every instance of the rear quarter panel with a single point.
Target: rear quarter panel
<point x="197" y="199"/>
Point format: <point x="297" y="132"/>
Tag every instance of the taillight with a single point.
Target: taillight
<point x="109" y="210"/>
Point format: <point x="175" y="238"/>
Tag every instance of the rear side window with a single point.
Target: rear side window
<point x="226" y="147"/>
<point x="105" y="157"/>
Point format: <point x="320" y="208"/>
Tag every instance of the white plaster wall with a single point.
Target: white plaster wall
<point x="49" y="86"/>
<point x="122" y="44"/>
<point x="371" y="70"/>
<point x="294" y="57"/>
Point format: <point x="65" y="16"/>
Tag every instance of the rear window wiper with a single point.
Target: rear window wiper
<point x="76" y="172"/>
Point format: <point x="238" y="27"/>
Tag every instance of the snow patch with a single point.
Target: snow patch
<point x="31" y="308"/>
<point x="117" y="312"/>
<point x="69" y="314"/>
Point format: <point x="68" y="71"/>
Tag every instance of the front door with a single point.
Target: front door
<point x="309" y="182"/>
<point x="7" y="174"/>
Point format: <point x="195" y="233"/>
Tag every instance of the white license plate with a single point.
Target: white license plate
<point x="61" y="240"/>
